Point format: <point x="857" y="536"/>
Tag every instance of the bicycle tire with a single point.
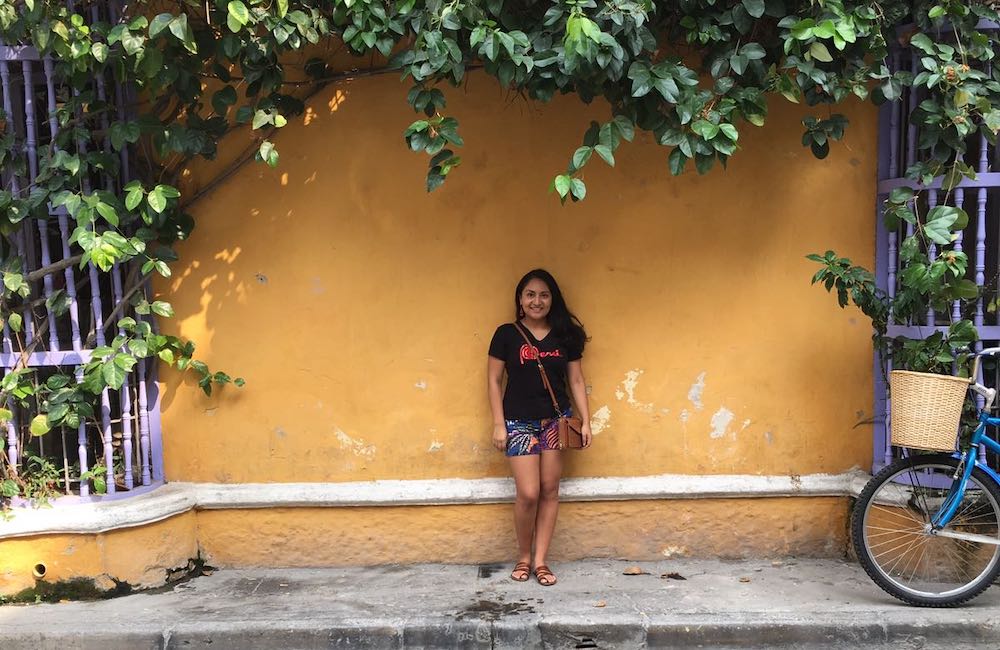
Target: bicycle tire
<point x="889" y="535"/>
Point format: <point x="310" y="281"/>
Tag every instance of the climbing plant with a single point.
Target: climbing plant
<point x="693" y="73"/>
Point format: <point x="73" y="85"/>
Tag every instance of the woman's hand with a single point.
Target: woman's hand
<point x="585" y="432"/>
<point x="500" y="437"/>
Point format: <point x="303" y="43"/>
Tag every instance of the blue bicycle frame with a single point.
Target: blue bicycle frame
<point x="970" y="460"/>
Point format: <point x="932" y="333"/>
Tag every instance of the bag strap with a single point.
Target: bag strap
<point x="541" y="369"/>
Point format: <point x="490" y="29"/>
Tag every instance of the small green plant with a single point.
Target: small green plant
<point x="930" y="277"/>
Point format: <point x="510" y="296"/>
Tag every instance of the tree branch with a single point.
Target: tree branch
<point x="55" y="267"/>
<point x="113" y="316"/>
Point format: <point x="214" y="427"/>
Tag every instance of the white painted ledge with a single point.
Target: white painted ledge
<point x="176" y="498"/>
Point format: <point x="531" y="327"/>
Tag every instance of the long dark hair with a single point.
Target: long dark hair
<point x="565" y="326"/>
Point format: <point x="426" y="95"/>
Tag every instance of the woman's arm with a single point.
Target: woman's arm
<point x="578" y="388"/>
<point x="494" y="388"/>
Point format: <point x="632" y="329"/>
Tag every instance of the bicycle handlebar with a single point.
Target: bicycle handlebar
<point x="988" y="393"/>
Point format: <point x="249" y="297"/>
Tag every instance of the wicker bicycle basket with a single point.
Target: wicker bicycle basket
<point x="926" y="409"/>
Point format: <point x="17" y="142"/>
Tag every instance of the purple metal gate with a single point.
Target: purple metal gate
<point x="124" y="436"/>
<point x="898" y="139"/>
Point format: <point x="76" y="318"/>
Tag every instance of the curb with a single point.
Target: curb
<point x="556" y="633"/>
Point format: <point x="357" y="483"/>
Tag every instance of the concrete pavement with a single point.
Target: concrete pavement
<point x="786" y="603"/>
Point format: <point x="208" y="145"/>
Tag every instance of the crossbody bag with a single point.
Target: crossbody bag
<point x="570" y="428"/>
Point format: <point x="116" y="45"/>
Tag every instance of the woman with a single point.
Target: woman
<point x="555" y="336"/>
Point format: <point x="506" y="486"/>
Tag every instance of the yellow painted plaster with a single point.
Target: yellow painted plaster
<point x="139" y="556"/>
<point x="274" y="537"/>
<point x="638" y="530"/>
<point x="359" y="309"/>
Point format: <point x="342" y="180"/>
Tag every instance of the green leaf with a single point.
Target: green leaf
<point x="157" y="201"/>
<point x="161" y="308"/>
<point x="705" y="129"/>
<point x="13" y="281"/>
<point x="239" y="12"/>
<point x="159" y="23"/>
<point x="15" y="320"/>
<point x="40" y="425"/>
<point x="581" y="156"/>
<point x="99" y="51"/>
<point x="730" y="131"/>
<point x="260" y="118"/>
<point x="625" y="127"/>
<point x="108" y="212"/>
<point x="825" y="29"/>
<point x="578" y="189"/>
<point x="9" y="488"/>
<point x="166" y="355"/>
<point x="179" y="27"/>
<point x="966" y="289"/>
<point x="113" y="375"/>
<point x="282" y="7"/>
<point x="5" y="415"/>
<point x="604" y="152"/>
<point x="562" y="184"/>
<point x="936" y="11"/>
<point x="138" y="347"/>
<point x="820" y="53"/>
<point x="677" y="160"/>
<point x="754" y="7"/>
<point x="922" y="42"/>
<point x="133" y="198"/>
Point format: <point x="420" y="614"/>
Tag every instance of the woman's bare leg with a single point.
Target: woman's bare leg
<point x="526" y="480"/>
<point x="550" y="471"/>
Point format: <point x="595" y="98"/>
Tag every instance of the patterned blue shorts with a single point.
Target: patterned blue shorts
<point x="532" y="437"/>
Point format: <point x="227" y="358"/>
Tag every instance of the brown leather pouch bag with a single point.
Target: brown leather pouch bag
<point x="570" y="436"/>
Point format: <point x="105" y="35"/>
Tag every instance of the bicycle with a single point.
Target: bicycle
<point x="926" y="528"/>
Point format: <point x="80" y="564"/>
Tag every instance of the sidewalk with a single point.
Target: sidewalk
<point x="787" y="603"/>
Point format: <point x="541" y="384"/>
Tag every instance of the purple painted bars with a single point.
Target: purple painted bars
<point x="898" y="138"/>
<point x="126" y="435"/>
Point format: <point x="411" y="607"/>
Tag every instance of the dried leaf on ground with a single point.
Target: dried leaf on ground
<point x="744" y="578"/>
<point x="601" y="603"/>
<point x="673" y="575"/>
<point x="635" y="571"/>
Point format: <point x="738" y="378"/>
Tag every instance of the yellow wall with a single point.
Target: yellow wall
<point x="635" y="530"/>
<point x="359" y="308"/>
<point x="309" y="537"/>
<point x="139" y="556"/>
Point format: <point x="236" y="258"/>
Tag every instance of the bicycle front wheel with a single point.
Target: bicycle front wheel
<point x="890" y="527"/>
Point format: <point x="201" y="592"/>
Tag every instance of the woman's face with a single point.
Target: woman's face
<point x="536" y="299"/>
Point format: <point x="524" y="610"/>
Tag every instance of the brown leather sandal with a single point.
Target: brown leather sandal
<point x="544" y="577"/>
<point x="521" y="572"/>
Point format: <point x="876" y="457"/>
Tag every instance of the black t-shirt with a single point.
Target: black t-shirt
<point x="526" y="397"/>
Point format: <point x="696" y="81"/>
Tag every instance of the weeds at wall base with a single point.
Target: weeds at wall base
<point x="86" y="589"/>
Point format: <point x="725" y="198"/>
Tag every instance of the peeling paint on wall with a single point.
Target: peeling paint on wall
<point x="685" y="415"/>
<point x="694" y="394"/>
<point x="671" y="551"/>
<point x="420" y="385"/>
<point x="357" y="446"/>
<point x="599" y="420"/>
<point x="626" y="391"/>
<point x="721" y="420"/>
<point x="435" y="446"/>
